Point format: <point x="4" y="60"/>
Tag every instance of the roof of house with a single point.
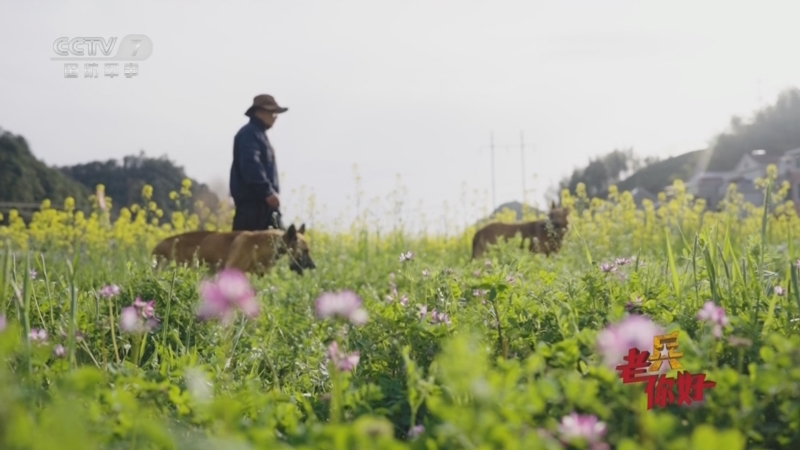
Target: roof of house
<point x="763" y="158"/>
<point x="713" y="177"/>
<point x="642" y="192"/>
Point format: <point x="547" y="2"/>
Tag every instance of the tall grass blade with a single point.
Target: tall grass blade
<point x="676" y="284"/>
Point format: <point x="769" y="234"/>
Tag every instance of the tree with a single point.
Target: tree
<point x="773" y="129"/>
<point x="604" y="171"/>
<point x="124" y="182"/>
<point x="25" y="179"/>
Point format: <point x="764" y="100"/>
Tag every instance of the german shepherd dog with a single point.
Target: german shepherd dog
<point x="257" y="251"/>
<point x="248" y="251"/>
<point x="545" y="236"/>
<point x="181" y="248"/>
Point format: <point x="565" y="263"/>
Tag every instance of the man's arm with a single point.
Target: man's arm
<point x="251" y="168"/>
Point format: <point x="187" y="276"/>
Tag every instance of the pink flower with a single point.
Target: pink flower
<point x="577" y="426"/>
<point x="634" y="331"/>
<point x="341" y="361"/>
<point x="423" y="311"/>
<point x="345" y="305"/>
<point x="229" y="291"/>
<point x="131" y="320"/>
<point x="403" y="299"/>
<point x="487" y="263"/>
<point x="416" y="431"/>
<point x="109" y="291"/>
<point x="139" y="317"/>
<point x="621" y="261"/>
<point x="634" y="303"/>
<point x="779" y="291"/>
<point x="407" y="256"/>
<point x="606" y="268"/>
<point x="426" y="273"/>
<point x="32" y="273"/>
<point x="439" y="317"/>
<point x="59" y="351"/>
<point x="78" y="335"/>
<point x="36" y="335"/>
<point x="715" y="315"/>
<point x="146" y="309"/>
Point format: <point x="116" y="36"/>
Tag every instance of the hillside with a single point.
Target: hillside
<point x="124" y="182"/>
<point x="25" y="179"/>
<point x="514" y="206"/>
<point x="659" y="175"/>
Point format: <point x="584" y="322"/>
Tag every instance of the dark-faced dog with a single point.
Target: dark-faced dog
<point x="257" y="251"/>
<point x="545" y="236"/>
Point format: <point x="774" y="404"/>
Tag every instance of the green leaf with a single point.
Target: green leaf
<point x="767" y="354"/>
<point x="731" y="440"/>
<point x="704" y="437"/>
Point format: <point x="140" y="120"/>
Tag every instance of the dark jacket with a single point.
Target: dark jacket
<point x="254" y="173"/>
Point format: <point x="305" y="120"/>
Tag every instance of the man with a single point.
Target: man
<point x="254" y="172"/>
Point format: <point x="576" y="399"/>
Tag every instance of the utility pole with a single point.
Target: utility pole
<point x="522" y="161"/>
<point x="506" y="147"/>
<point x="491" y="144"/>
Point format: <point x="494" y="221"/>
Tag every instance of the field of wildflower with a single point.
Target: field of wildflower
<point x="401" y="341"/>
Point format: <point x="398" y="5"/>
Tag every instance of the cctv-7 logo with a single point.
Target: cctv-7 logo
<point x="138" y="43"/>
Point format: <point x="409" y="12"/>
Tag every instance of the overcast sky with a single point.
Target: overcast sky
<point x="412" y="88"/>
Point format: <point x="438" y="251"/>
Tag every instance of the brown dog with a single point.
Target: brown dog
<point x="180" y="248"/>
<point x="215" y="248"/>
<point x="249" y="251"/>
<point x="545" y="235"/>
<point x="257" y="251"/>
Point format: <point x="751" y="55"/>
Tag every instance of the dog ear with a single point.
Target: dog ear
<point x="302" y="229"/>
<point x="291" y="234"/>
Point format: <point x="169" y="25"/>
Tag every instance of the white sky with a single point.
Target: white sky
<point x="408" y="87"/>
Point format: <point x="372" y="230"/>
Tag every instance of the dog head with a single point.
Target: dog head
<point x="558" y="217"/>
<point x="296" y="246"/>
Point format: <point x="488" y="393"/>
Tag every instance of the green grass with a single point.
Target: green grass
<point x="512" y="362"/>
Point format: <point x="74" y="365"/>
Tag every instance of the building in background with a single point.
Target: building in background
<point x="712" y="186"/>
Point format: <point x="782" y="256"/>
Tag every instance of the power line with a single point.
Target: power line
<point x="521" y="148"/>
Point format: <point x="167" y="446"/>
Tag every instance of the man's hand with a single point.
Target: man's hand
<point x="273" y="201"/>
